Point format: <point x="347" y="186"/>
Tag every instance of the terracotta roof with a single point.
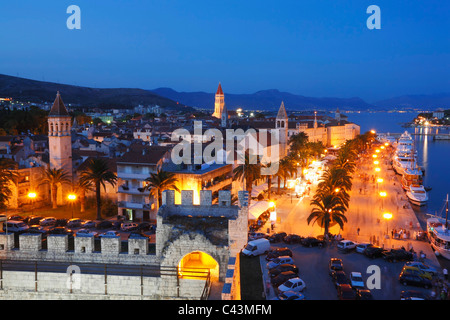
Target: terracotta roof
<point x="144" y="155"/>
<point x="58" y="109"/>
<point x="219" y="89"/>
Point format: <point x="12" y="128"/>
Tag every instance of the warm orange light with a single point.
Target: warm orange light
<point x="380" y="180"/>
<point x="376" y="162"/>
<point x="374" y="156"/>
<point x="271" y="204"/>
<point x="387" y="215"/>
<point x="72" y="197"/>
<point x="383" y="194"/>
<point x="337" y="190"/>
<point x="386" y="144"/>
<point x="377" y="151"/>
<point x="32" y="195"/>
<point x="382" y="147"/>
<point x="372" y="131"/>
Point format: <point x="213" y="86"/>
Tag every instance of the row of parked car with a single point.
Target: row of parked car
<point x="51" y="225"/>
<point x="284" y="274"/>
<point x="287" y="238"/>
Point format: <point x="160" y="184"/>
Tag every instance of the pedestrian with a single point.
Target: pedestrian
<point x="357" y="231"/>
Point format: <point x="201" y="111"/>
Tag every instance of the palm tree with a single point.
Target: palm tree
<point x="328" y="210"/>
<point x="54" y="177"/>
<point x="158" y="182"/>
<point x="7" y="177"/>
<point x="98" y="174"/>
<point x="249" y="171"/>
<point x="297" y="142"/>
<point x="268" y="166"/>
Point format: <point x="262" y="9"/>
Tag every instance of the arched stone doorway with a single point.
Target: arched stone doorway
<point x="197" y="265"/>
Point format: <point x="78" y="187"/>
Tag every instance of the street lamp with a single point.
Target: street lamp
<point x="383" y="195"/>
<point x="32" y="196"/>
<point x="387" y="216"/>
<point x="72" y="197"/>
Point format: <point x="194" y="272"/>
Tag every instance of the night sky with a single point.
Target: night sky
<point x="308" y="47"/>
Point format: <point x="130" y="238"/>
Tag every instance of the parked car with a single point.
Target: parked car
<point x="48" y="221"/>
<point x="312" y="242"/>
<point x="86" y="232"/>
<point x="283" y="268"/>
<point x="32" y="220"/>
<point x="374" y="252"/>
<point x="37" y="229"/>
<point x="418" y="272"/>
<point x="421" y="266"/>
<point x="128" y="226"/>
<point x="257" y="235"/>
<point x="346" y="245"/>
<point x="356" y="280"/>
<point x="278" y="261"/>
<point x="345" y="292"/>
<point x="406" y="279"/>
<point x="413" y="295"/>
<point x="277" y="237"/>
<point x="144" y="226"/>
<point x="363" y="294"/>
<point x="74" y="223"/>
<point x="335" y="264"/>
<point x="110" y="233"/>
<point x="275" y="253"/>
<point x="60" y="230"/>
<point x="291" y="295"/>
<point x="294" y="284"/>
<point x="105" y="224"/>
<point x="88" y="224"/>
<point x="61" y="222"/>
<point x="282" y="278"/>
<point x="16" y="218"/>
<point x="15" y="226"/>
<point x="256" y="247"/>
<point x="292" y="238"/>
<point x="339" y="277"/>
<point x="395" y="255"/>
<point x="361" y="247"/>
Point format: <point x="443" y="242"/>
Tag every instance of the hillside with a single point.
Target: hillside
<point x="40" y="91"/>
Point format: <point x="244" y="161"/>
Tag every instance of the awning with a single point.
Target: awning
<point x="259" y="189"/>
<point x="257" y="209"/>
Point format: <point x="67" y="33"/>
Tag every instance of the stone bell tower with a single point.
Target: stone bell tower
<point x="219" y="103"/>
<point x="59" y="140"/>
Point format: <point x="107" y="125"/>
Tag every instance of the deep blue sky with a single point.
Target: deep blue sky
<point x="309" y="47"/>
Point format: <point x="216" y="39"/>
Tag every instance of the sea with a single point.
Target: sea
<point x="433" y="155"/>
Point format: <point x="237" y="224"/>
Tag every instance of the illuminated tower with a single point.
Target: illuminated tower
<point x="59" y="140"/>
<point x="219" y="103"/>
<point x="282" y="127"/>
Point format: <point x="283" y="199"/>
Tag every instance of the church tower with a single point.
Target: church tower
<point x="59" y="136"/>
<point x="282" y="127"/>
<point x="219" y="103"/>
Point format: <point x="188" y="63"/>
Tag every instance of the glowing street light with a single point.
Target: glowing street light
<point x="376" y="162"/>
<point x="377" y="151"/>
<point x="387" y="216"/>
<point x="377" y="169"/>
<point x="32" y="196"/>
<point x="380" y="180"/>
<point x="374" y="156"/>
<point x="383" y="195"/>
<point x="72" y="197"/>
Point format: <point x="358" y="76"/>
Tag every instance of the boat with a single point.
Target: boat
<point x="412" y="176"/>
<point x="417" y="195"/>
<point x="405" y="154"/>
<point x="439" y="235"/>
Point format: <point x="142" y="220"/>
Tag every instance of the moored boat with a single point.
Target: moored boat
<point x="417" y="195"/>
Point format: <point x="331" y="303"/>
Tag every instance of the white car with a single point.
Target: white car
<point x="356" y="280"/>
<point x="346" y="245"/>
<point x="279" y="261"/>
<point x="294" y="284"/>
<point x="362" y="246"/>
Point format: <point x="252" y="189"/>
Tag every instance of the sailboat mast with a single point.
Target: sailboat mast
<point x="446" y="213"/>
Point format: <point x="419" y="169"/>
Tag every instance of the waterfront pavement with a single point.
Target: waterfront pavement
<point x="365" y="213"/>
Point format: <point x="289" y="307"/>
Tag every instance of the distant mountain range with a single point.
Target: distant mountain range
<point x="270" y="100"/>
<point x="40" y="92"/>
<point x="266" y="100"/>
